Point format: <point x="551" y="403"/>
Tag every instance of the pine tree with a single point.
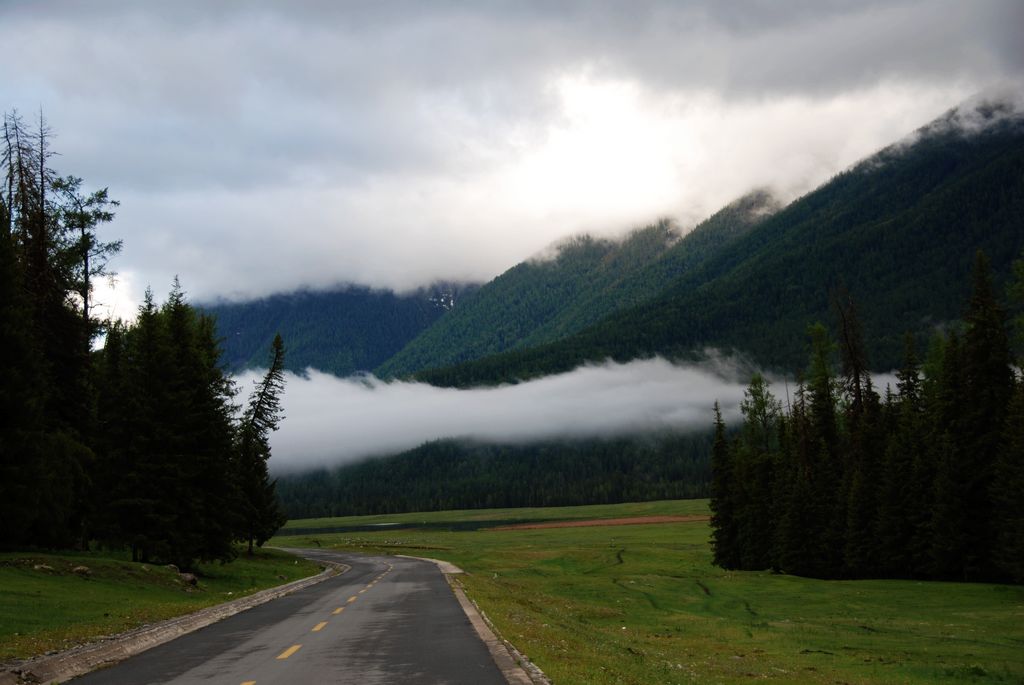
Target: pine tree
<point x="798" y="521"/>
<point x="724" y="543"/>
<point x="903" y="493"/>
<point x="858" y="456"/>
<point x="988" y="389"/>
<point x="1008" y="471"/>
<point x="55" y="459"/>
<point x="826" y="471"/>
<point x="261" y="512"/>
<point x="201" y="433"/>
<point x="1008" y="493"/>
<point x="143" y="478"/>
<point x="755" y="454"/>
<point x="21" y="404"/>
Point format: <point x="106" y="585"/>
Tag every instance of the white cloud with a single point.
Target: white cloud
<point x="261" y="146"/>
<point x="332" y="420"/>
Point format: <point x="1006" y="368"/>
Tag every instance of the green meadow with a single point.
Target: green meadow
<point x="45" y="606"/>
<point x="643" y="604"/>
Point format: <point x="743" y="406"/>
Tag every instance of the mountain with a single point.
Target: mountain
<point x="543" y="300"/>
<point x="343" y="331"/>
<point x="898" y="232"/>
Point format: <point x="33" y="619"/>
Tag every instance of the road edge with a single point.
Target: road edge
<point x="515" y="666"/>
<point x="80" y="660"/>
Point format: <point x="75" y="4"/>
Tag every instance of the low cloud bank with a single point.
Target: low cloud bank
<point x="331" y="421"/>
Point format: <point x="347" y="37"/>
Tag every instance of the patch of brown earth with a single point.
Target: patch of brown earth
<point x="629" y="521"/>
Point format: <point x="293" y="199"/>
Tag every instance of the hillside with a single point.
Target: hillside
<point x="342" y="331"/>
<point x="452" y="474"/>
<point x="898" y="231"/>
<point x="543" y="300"/>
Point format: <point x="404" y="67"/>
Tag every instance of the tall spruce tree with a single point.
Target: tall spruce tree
<point x="1008" y="471"/>
<point x="827" y="460"/>
<point x="988" y="388"/>
<point x="21" y="405"/>
<point x="55" y="459"/>
<point x="755" y="455"/>
<point x="799" y="523"/>
<point x="724" y="542"/>
<point x="261" y="514"/>
<point x="858" y="459"/>
<point x="1008" y="494"/>
<point x="903" y="491"/>
<point x="201" y="435"/>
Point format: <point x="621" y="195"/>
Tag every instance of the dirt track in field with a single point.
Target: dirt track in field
<point x="630" y="521"/>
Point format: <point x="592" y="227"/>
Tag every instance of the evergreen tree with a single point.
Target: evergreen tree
<point x="21" y="404"/>
<point x="53" y="458"/>
<point x="987" y="391"/>
<point x="755" y="454"/>
<point x="261" y="514"/>
<point x="826" y="472"/>
<point x="201" y="432"/>
<point x="724" y="543"/>
<point x="903" y="492"/>
<point x="799" y="528"/>
<point x="1008" y="493"/>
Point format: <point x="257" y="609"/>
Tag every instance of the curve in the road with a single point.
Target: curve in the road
<point x="386" y="620"/>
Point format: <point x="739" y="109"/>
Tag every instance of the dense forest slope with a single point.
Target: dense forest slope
<point x="342" y="331"/>
<point x="543" y="300"/>
<point x="897" y="231"/>
<point x="449" y="474"/>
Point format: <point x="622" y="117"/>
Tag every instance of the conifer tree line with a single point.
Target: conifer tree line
<point x="133" y="446"/>
<point x="925" y="481"/>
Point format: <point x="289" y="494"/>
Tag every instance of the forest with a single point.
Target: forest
<point x="924" y="481"/>
<point x="542" y="300"/>
<point x="451" y="474"/>
<point x="343" y="331"/>
<point x="134" y="446"/>
<point x="897" y="230"/>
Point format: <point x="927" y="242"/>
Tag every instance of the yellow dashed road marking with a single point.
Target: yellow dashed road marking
<point x="249" y="682"/>
<point x="319" y="626"/>
<point x="288" y="652"/>
<point x="352" y="599"/>
<point x="338" y="610"/>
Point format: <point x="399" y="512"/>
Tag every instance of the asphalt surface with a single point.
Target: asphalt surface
<point x="386" y="620"/>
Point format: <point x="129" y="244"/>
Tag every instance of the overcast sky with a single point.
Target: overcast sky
<point x="262" y="146"/>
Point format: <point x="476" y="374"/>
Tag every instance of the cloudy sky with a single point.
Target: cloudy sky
<point x="262" y="146"/>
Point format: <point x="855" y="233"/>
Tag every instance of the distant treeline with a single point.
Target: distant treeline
<point x="927" y="482"/>
<point x="449" y="474"/>
<point x="344" y="331"/>
<point x="133" y="446"/>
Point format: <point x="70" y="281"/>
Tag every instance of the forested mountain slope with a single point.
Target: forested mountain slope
<point x="342" y="331"/>
<point x="451" y="474"/>
<point x="898" y="231"/>
<point x="540" y="301"/>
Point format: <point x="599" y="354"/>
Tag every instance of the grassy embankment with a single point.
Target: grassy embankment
<point x="643" y="604"/>
<point x="44" y="609"/>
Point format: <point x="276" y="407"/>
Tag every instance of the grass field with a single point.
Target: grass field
<point x="46" y="609"/>
<point x="643" y="604"/>
<point x="593" y="511"/>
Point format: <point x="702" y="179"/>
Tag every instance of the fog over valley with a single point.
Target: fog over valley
<point x="332" y="421"/>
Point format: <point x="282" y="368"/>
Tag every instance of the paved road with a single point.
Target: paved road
<point x="387" y="620"/>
